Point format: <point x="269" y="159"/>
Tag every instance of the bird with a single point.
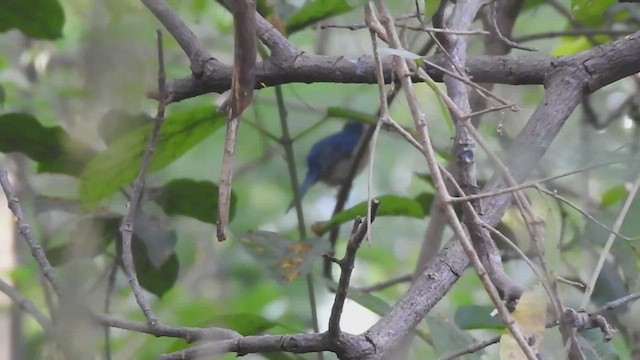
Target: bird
<point x="330" y="159"/>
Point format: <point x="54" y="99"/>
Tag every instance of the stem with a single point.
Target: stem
<point x="291" y="165"/>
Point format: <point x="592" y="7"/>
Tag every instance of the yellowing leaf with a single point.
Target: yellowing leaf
<point x="530" y="312"/>
<point x="529" y="316"/>
<point x="284" y="259"/>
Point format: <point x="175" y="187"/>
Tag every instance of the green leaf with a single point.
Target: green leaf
<point x="119" y="164"/>
<point x="284" y="259"/>
<point x="317" y="10"/>
<point x="187" y="197"/>
<point x="570" y="45"/>
<point x="159" y="240"/>
<point x="88" y="239"/>
<point x="155" y="279"/>
<point x="472" y="317"/>
<point x="613" y="195"/>
<point x="368" y="301"/>
<point x="51" y="147"/>
<point x="430" y="8"/>
<point x="390" y="205"/>
<point x="349" y="114"/>
<point x="590" y="12"/>
<point x="447" y="337"/>
<point x="116" y="123"/>
<point x="38" y="19"/>
<point x="594" y="347"/>
<point x="532" y="4"/>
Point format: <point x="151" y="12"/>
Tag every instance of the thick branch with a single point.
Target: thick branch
<point x="566" y="84"/>
<point x="187" y="40"/>
<point x="309" y="68"/>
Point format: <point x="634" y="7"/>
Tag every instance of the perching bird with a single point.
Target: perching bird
<point x="330" y="159"/>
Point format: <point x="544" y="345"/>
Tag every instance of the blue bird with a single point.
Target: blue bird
<point x="330" y="159"/>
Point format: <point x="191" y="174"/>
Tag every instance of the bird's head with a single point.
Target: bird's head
<point x="353" y="127"/>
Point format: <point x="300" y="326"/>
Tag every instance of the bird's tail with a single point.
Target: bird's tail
<point x="306" y="184"/>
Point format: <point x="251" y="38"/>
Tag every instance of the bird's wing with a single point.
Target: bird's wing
<point x="332" y="150"/>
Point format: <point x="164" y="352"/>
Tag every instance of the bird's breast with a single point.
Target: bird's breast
<point x="340" y="171"/>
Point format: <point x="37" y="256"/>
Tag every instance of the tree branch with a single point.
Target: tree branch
<point x="310" y="68"/>
<point x="128" y="222"/>
<point x="202" y="63"/>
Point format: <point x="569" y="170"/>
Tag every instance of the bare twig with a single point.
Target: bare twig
<point x="361" y="228"/>
<point x="402" y="71"/>
<point x="413" y="28"/>
<point x="128" y="222"/>
<point x="299" y="343"/>
<point x="513" y="107"/>
<point x="498" y="33"/>
<point x="226" y="178"/>
<point x="607" y="247"/>
<point x="25" y="230"/>
<point x="466" y="80"/>
<point x="529" y="184"/>
<point x="189" y="334"/>
<point x="471" y="349"/>
<point x="573" y="32"/>
<point x="583" y="212"/>
<point x="385" y="284"/>
<point x="583" y="321"/>
<point x="302" y="229"/>
<point x="363" y="26"/>
<point x="375" y="28"/>
<point x="611" y="305"/>
<point x="244" y="22"/>
<point x="111" y="282"/>
<point x="26" y="305"/>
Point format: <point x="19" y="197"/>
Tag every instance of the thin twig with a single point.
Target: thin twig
<point x="607" y="247"/>
<point x="402" y="71"/>
<point x="559" y="7"/>
<point x="242" y="86"/>
<point x="128" y="222"/>
<point x="385" y="284"/>
<point x="471" y="349"/>
<point x="535" y="224"/>
<point x="513" y="107"/>
<point x="25" y="230"/>
<point x="364" y="26"/>
<point x="361" y="229"/>
<point x="496" y="29"/>
<point x="26" y="305"/>
<point x="616" y="303"/>
<point x="111" y="282"/>
<point x="189" y="334"/>
<point x="528" y="184"/>
<point x="573" y="32"/>
<point x="293" y="177"/>
<point x="201" y="59"/>
<point x="481" y="90"/>
<point x="374" y="25"/>
<point x="413" y="28"/>
<point x="583" y="212"/>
